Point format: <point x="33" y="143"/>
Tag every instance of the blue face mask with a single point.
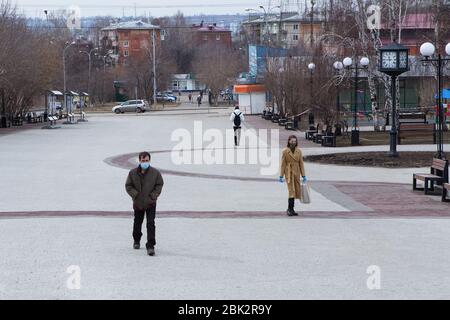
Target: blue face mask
<point x="145" y="165"/>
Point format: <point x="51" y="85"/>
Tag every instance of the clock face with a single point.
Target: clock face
<point x="389" y="60"/>
<point x="403" y="64"/>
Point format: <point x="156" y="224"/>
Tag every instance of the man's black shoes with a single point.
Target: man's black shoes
<point x="151" y="251"/>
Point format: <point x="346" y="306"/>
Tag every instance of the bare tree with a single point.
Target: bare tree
<point x="362" y="41"/>
<point x="178" y="45"/>
<point x="217" y="67"/>
<point x="138" y="74"/>
<point x="28" y="61"/>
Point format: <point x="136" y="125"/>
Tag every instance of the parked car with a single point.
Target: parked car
<point x="166" y="98"/>
<point x="138" y="106"/>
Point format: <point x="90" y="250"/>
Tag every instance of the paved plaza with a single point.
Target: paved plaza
<point x="222" y="230"/>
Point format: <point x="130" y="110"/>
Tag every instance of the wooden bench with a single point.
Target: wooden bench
<point x="413" y="118"/>
<point x="446" y="193"/>
<point x="321" y="132"/>
<point x="291" y="123"/>
<point x="310" y="133"/>
<point x="438" y="176"/>
<point x="17" y="122"/>
<point x="275" y="118"/>
<point x="282" y="121"/>
<point x="4" y="122"/>
<point x="329" y="139"/>
<point x="32" y="117"/>
<point x="408" y="130"/>
<point x="268" y="115"/>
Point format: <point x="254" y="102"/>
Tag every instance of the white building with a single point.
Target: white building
<point x="186" y="82"/>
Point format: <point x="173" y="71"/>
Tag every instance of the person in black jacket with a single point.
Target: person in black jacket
<point x="144" y="185"/>
<point x="237" y="117"/>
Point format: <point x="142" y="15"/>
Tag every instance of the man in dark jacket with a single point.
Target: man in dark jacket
<point x="144" y="185"/>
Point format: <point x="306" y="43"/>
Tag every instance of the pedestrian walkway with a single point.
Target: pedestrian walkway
<point x="222" y="230"/>
<point x="225" y="259"/>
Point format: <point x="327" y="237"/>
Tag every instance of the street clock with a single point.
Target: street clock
<point x="394" y="59"/>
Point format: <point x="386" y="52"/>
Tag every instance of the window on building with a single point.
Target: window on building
<point x="218" y="37"/>
<point x="295" y="37"/>
<point x="126" y="44"/>
<point x="126" y="53"/>
<point x="295" y="26"/>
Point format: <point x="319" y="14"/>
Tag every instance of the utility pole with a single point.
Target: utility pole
<point x="312" y="22"/>
<point x="154" y="65"/>
<point x="64" y="74"/>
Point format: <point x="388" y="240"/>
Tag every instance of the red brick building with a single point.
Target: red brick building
<point x="211" y="35"/>
<point x="130" y="40"/>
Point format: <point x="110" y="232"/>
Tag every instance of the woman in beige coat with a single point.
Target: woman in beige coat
<point x="292" y="169"/>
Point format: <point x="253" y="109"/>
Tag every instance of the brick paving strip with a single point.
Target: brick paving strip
<point x="377" y="201"/>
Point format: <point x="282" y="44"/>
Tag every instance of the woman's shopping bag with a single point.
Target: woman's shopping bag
<point x="306" y="193"/>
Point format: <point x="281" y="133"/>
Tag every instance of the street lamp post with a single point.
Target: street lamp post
<point x="311" y="68"/>
<point x="154" y="67"/>
<point x="428" y="51"/>
<point x="266" y="31"/>
<point x="393" y="62"/>
<point x="104" y="72"/>
<point x="338" y="67"/>
<point x="3" y="120"/>
<point x="312" y="23"/>
<point x="89" y="53"/>
<point x="64" y="74"/>
<point x="266" y="27"/>
<point x="362" y="65"/>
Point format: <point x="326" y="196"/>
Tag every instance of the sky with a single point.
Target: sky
<point x="154" y="8"/>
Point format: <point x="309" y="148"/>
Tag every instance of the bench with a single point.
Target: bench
<point x="16" y="122"/>
<point x="32" y="117"/>
<point x="309" y="133"/>
<point x="290" y="124"/>
<point x="4" y="122"/>
<point x="282" y="121"/>
<point x="408" y="130"/>
<point x="275" y="118"/>
<point x="446" y="193"/>
<point x="267" y="115"/>
<point x="329" y="139"/>
<point x="412" y="118"/>
<point x="438" y="175"/>
<point x="318" y="136"/>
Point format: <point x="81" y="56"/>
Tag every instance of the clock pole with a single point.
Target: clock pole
<point x="399" y="65"/>
<point x="393" y="148"/>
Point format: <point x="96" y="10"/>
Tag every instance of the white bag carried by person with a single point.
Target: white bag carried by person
<point x="306" y="191"/>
